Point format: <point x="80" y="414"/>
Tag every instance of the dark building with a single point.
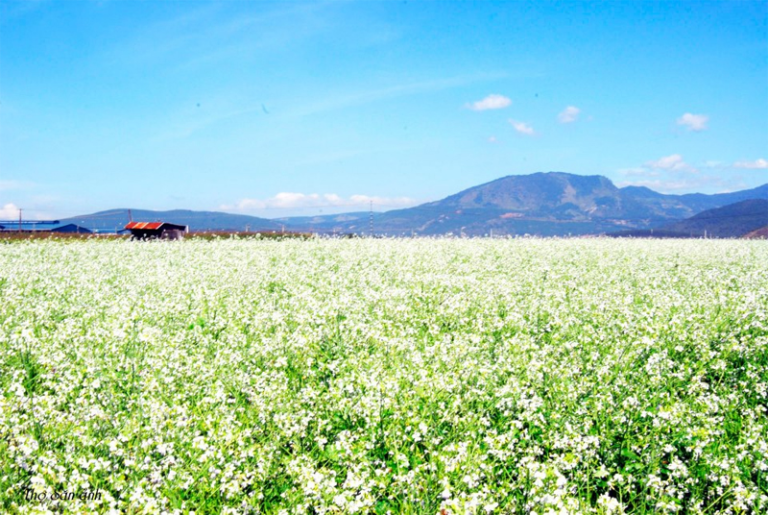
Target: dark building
<point x="71" y="228"/>
<point x="36" y="227"/>
<point x="27" y="225"/>
<point x="152" y="230"/>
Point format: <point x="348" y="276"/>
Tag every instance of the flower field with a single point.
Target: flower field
<point x="384" y="376"/>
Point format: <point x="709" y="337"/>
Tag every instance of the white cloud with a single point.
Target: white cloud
<point x="9" y="212"/>
<point x="522" y="127"/>
<point x="660" y="185"/>
<point x="7" y="185"/>
<point x="638" y="172"/>
<point x="758" y="164"/>
<point x="673" y="163"/>
<point x="490" y="102"/>
<point x="569" y="114"/>
<point x="493" y="139"/>
<point x="694" y="122"/>
<point x="671" y="174"/>
<point x="689" y="183"/>
<point x="291" y="200"/>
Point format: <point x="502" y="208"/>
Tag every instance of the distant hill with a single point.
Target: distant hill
<point x="324" y="223"/>
<point x="731" y="221"/>
<point x="685" y="206"/>
<point x="115" y="219"/>
<point x="544" y="204"/>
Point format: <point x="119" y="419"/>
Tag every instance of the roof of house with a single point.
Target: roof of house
<point x="152" y="226"/>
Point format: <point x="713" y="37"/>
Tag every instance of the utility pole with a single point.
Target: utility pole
<point x="371" y="220"/>
<point x="19" y="219"/>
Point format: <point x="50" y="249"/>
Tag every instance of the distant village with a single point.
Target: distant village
<point x="137" y="230"/>
<point x="552" y="204"/>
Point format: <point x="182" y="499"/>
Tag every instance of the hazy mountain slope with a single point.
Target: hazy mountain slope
<point x="324" y="222"/>
<point x="731" y="221"/>
<point x="662" y="206"/>
<point x="546" y="204"/>
<point x="541" y="194"/>
<point x="196" y="220"/>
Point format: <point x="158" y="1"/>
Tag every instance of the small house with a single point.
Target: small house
<point x="153" y="230"/>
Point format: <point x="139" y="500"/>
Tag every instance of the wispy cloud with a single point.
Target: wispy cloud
<point x="694" y="122"/>
<point x="569" y="114"/>
<point x="7" y="185"/>
<point x="758" y="164"/>
<point x="186" y="122"/>
<point x="638" y="172"/>
<point x="292" y="200"/>
<point x="672" y="174"/>
<point x="395" y="91"/>
<point x="659" y="185"/>
<point x="492" y="101"/>
<point x="213" y="33"/>
<point x="674" y="163"/>
<point x="714" y="183"/>
<point x="522" y="127"/>
<point x="11" y="11"/>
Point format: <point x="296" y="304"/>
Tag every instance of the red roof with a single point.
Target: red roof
<point x="152" y="226"/>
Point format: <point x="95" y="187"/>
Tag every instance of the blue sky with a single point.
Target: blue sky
<point x="290" y="108"/>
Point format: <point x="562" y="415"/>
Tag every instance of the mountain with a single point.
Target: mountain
<point x="741" y="219"/>
<point x="545" y="204"/>
<point x="731" y="221"/>
<point x="323" y="223"/>
<point x="115" y="219"/>
<point x="685" y="206"/>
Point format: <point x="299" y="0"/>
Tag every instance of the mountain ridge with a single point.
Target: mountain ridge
<point x="543" y="203"/>
<point x="730" y="221"/>
<point x="738" y="220"/>
<point x="547" y="204"/>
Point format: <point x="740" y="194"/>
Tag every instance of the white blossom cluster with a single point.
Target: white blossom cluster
<point x="420" y="376"/>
